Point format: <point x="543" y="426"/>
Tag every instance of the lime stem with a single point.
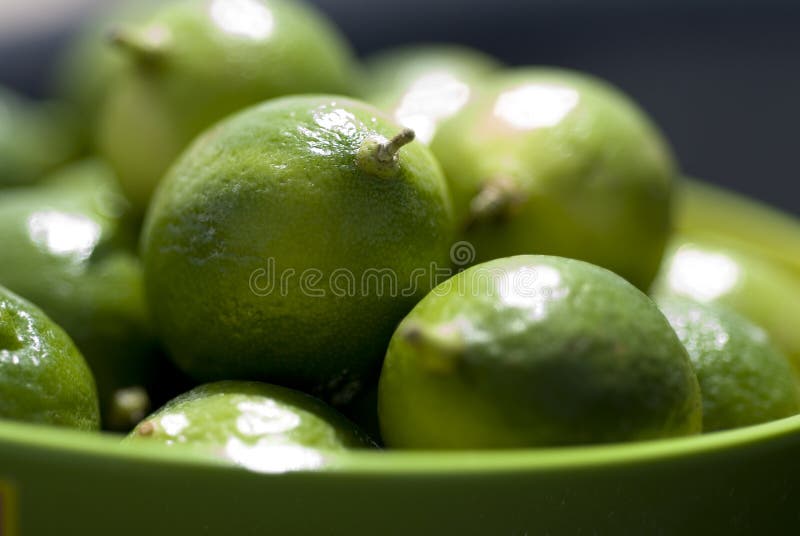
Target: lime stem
<point x="387" y="151"/>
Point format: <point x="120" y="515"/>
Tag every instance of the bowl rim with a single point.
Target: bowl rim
<point x="107" y="447"/>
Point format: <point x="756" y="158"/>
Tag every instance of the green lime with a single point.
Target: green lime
<point x="706" y="210"/>
<point x="421" y="85"/>
<point x="260" y="426"/>
<point x="34" y="138"/>
<point x="290" y="239"/>
<point x="715" y="270"/>
<point x="67" y="248"/>
<point x="743" y="378"/>
<point x="43" y="377"/>
<point x="193" y="62"/>
<point x="86" y="66"/>
<point x="534" y="351"/>
<point x="554" y="162"/>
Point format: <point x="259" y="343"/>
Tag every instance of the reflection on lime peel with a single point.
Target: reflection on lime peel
<point x="267" y="457"/>
<point x="259" y="418"/>
<point x="62" y="233"/>
<point x="433" y="97"/>
<point x="533" y="106"/>
<point x="701" y="275"/>
<point x="532" y="288"/>
<point x="243" y="18"/>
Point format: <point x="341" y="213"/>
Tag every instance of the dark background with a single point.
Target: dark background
<point x="721" y="78"/>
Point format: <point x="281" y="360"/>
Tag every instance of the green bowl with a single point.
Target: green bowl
<point x="743" y="481"/>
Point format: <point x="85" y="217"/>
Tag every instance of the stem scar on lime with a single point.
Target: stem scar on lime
<point x="378" y="155"/>
<point x="497" y="200"/>
<point x="146" y="47"/>
<point x="441" y="347"/>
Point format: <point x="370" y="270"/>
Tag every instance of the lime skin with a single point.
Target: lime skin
<point x="191" y="63"/>
<point x="43" y="377"/>
<point x="535" y="351"/>
<point x="261" y="426"/>
<point x="275" y="251"/>
<point x="547" y="161"/>
<point x="744" y="378"/>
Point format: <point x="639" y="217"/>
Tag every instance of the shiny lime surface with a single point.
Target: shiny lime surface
<point x="43" y="377"/>
<point x="535" y="351"/>
<point x="67" y="248"/>
<point x="195" y="61"/>
<point x="714" y="270"/>
<point x="270" y="253"/>
<point x="555" y="162"/>
<point x="260" y="426"/>
<point x="421" y="85"/>
<point x="33" y="139"/>
<point x="744" y="378"/>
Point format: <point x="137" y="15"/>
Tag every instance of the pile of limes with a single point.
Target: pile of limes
<point x="453" y="254"/>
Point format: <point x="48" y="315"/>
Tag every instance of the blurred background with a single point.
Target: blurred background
<point x="722" y="78"/>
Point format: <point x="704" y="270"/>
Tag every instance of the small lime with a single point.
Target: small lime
<point x="43" y="377"/>
<point x="535" y="351"/>
<point x="260" y="426"/>
<point x="743" y="378"/>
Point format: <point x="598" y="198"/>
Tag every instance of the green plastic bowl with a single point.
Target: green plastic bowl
<point x="743" y="481"/>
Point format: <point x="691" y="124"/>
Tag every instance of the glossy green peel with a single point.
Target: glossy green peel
<point x="555" y="162"/>
<point x="284" y="247"/>
<point x="43" y="377"/>
<point x="260" y="426"/>
<point x="195" y="61"/>
<point x="533" y="351"/>
<point x="744" y="379"/>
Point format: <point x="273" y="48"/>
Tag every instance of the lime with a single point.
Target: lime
<point x="743" y="378"/>
<point x="716" y="270"/>
<point x="290" y="239"/>
<point x="43" y="377"/>
<point x="421" y="85"/>
<point x="533" y="351"/>
<point x="706" y="210"/>
<point x="34" y="138"/>
<point x="68" y="249"/>
<point x="554" y="162"/>
<point x="193" y="62"/>
<point x="260" y="426"/>
<point x="86" y="66"/>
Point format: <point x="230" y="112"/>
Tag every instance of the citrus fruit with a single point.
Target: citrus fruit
<point x="67" y="248"/>
<point x="34" y="139"/>
<point x="290" y="239"/>
<point x="743" y="378"/>
<point x="86" y="66"/>
<point x="260" y="426"/>
<point x="532" y="351"/>
<point x="554" y="162"/>
<point x="705" y="210"/>
<point x="421" y="85"/>
<point x="43" y="377"/>
<point x="715" y="270"/>
<point x="193" y="62"/>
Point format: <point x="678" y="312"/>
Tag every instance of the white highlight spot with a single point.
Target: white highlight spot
<point x="243" y="18"/>
<point x="535" y="106"/>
